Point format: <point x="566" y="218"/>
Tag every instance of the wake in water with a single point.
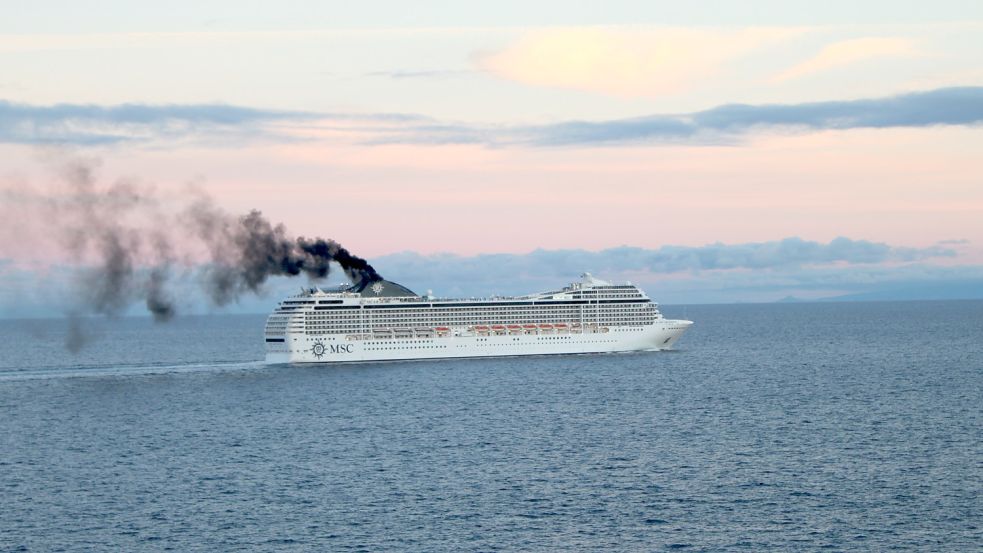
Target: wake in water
<point x="127" y="370"/>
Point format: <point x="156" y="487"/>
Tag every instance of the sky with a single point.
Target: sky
<point x="709" y="151"/>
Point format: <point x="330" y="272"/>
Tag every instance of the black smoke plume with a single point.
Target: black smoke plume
<point x="125" y="242"/>
<point x="246" y="251"/>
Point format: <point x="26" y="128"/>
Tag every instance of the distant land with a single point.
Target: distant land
<point x="951" y="290"/>
<point x="28" y="306"/>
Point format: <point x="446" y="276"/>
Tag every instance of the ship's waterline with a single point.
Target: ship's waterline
<point x="382" y="321"/>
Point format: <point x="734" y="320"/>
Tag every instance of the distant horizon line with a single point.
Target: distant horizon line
<point x="783" y="301"/>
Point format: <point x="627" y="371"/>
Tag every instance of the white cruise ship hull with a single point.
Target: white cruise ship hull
<point x="385" y="321"/>
<point x="302" y="348"/>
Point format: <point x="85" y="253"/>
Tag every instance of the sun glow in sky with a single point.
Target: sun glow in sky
<point x="451" y="129"/>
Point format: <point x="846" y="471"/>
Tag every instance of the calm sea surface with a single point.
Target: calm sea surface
<point x="773" y="427"/>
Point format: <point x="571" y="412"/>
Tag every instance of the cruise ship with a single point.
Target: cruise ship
<point x="384" y="321"/>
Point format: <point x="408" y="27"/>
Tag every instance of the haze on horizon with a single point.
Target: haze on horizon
<point x="709" y="153"/>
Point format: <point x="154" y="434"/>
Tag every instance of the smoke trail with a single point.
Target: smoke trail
<point x="357" y="269"/>
<point x="126" y="243"/>
<point x="159" y="301"/>
<point x="76" y="335"/>
<point x="247" y="251"/>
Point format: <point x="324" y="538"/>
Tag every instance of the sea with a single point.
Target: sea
<point x="772" y="427"/>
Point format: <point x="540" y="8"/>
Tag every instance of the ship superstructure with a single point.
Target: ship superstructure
<point x="383" y="320"/>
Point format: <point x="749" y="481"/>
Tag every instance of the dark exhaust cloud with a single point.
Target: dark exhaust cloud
<point x="248" y="250"/>
<point x="127" y="241"/>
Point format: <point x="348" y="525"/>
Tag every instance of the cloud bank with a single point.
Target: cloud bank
<point x="87" y="124"/>
<point x="715" y="273"/>
<point x="945" y="106"/>
<point x="517" y="273"/>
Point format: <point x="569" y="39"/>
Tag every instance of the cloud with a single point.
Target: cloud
<point x="944" y="106"/>
<point x="723" y="124"/>
<point x="624" y="62"/>
<point x="88" y="124"/>
<point x="849" y="52"/>
<point x="513" y="273"/>
<point x="950" y="106"/>
<point x="93" y="124"/>
<point x="716" y="273"/>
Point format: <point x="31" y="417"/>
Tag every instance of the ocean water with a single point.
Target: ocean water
<point x="773" y="427"/>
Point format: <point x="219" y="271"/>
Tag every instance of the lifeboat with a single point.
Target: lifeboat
<point x="560" y="325"/>
<point x="530" y="327"/>
<point x="443" y="329"/>
<point x="512" y="327"/>
<point x="480" y="327"/>
<point x="546" y="327"/>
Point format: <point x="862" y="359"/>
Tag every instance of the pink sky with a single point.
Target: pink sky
<point x="904" y="187"/>
<point x="914" y="184"/>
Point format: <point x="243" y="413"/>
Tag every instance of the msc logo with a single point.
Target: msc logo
<point x="319" y="349"/>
